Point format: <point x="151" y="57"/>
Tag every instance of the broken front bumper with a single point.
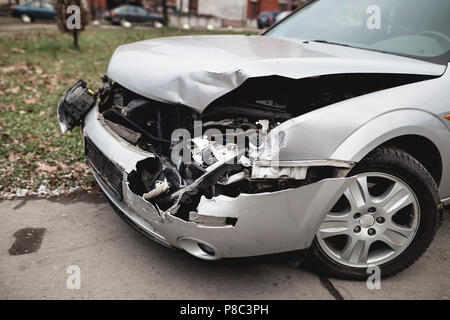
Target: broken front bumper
<point x="266" y="223"/>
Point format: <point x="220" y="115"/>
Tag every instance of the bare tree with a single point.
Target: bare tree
<point x="164" y="11"/>
<point x="73" y="21"/>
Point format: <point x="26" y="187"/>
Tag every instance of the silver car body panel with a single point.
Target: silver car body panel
<point x="259" y="231"/>
<point x="196" y="70"/>
<point x="349" y="130"/>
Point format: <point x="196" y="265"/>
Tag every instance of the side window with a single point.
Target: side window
<point x="141" y="11"/>
<point x="129" y="10"/>
<point x="132" y="10"/>
<point x="121" y="10"/>
<point x="47" y="5"/>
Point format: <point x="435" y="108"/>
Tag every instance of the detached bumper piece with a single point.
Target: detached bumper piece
<point x="75" y="104"/>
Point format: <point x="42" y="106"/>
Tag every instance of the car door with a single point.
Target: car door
<point x="141" y="14"/>
<point x="35" y="10"/>
<point x="48" y="11"/>
<point x="131" y="16"/>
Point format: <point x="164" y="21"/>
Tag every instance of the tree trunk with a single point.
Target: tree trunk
<point x="75" y="39"/>
<point x="165" y="15"/>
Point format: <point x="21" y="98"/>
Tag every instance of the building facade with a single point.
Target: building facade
<point x="235" y="12"/>
<point x="156" y="5"/>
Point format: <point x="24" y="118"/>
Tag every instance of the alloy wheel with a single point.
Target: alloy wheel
<point x="372" y="223"/>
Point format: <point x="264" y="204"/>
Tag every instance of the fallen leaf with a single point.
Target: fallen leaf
<point x="31" y="100"/>
<point x="7" y="69"/>
<point x="13" y="157"/>
<point x="14" y="68"/>
<point x="30" y="88"/>
<point x="14" y="90"/>
<point x="80" y="166"/>
<point x="17" y="50"/>
<point x="47" y="168"/>
<point x="4" y="107"/>
<point x="61" y="165"/>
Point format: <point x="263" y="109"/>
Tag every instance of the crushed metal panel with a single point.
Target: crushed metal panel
<point x="290" y="218"/>
<point x="171" y="69"/>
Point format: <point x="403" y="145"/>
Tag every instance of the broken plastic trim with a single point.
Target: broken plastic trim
<point x="305" y="163"/>
<point x="72" y="108"/>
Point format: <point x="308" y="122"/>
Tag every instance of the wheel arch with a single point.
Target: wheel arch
<point x="423" y="150"/>
<point x="415" y="131"/>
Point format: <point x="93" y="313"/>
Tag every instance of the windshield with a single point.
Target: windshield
<point x="419" y="28"/>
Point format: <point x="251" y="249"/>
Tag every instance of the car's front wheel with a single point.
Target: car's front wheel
<point x="387" y="217"/>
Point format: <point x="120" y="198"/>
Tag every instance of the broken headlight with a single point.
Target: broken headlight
<point x="77" y="101"/>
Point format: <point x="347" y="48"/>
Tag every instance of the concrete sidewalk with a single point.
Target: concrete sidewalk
<point x="118" y="263"/>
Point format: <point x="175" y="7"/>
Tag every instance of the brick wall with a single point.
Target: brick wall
<point x="269" y="5"/>
<point x="255" y="7"/>
<point x="97" y="3"/>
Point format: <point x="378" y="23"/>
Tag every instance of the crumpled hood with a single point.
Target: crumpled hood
<point x="196" y="70"/>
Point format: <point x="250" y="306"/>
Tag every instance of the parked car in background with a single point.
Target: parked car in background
<point x="133" y="14"/>
<point x="282" y="15"/>
<point x="267" y="18"/>
<point x="34" y="10"/>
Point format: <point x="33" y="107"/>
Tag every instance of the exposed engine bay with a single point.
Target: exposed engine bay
<point x="211" y="142"/>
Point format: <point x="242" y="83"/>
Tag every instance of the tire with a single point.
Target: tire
<point x="126" y="24"/>
<point x="396" y="164"/>
<point x="25" y="18"/>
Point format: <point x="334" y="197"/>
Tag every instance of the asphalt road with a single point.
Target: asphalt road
<point x="41" y="239"/>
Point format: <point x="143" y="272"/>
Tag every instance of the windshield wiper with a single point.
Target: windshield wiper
<point x="328" y="42"/>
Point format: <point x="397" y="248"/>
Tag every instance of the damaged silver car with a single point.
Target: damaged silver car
<point x="328" y="132"/>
